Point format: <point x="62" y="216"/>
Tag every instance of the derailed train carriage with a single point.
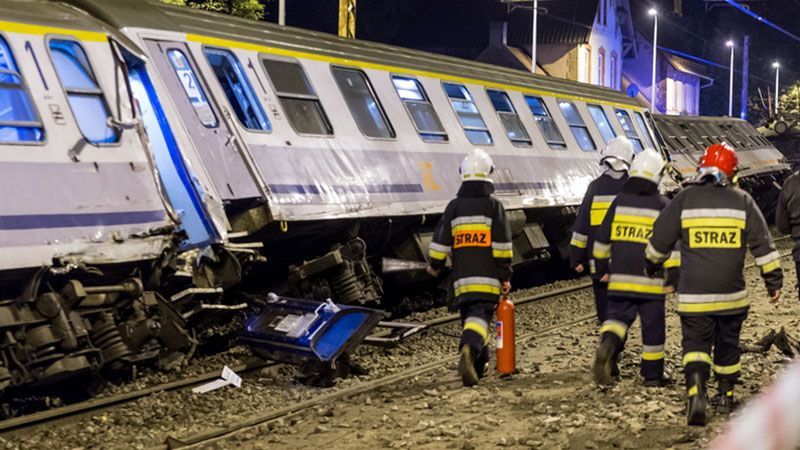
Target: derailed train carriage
<point x="255" y="142"/>
<point x="295" y="139"/>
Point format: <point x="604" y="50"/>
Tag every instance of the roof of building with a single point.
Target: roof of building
<point x="560" y="22"/>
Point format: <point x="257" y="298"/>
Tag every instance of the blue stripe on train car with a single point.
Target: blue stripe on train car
<point x="34" y="221"/>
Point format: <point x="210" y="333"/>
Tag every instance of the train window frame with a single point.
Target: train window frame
<point x="546" y="118"/>
<point x="423" y="134"/>
<point x="633" y="136"/>
<point x="597" y="107"/>
<point x="468" y="99"/>
<point x="573" y="125"/>
<point x="294" y="96"/>
<point x="527" y="142"/>
<point x="98" y="92"/>
<point x="199" y="87"/>
<point x="644" y="130"/>
<point x="25" y="90"/>
<point x="375" y="97"/>
<point x="253" y="94"/>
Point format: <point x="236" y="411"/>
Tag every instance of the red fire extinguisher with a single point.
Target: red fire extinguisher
<point x="506" y="353"/>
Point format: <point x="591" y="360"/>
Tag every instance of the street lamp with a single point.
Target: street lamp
<point x="730" y="82"/>
<point x="533" y="38"/>
<point x="777" y="67"/>
<point x="653" y="12"/>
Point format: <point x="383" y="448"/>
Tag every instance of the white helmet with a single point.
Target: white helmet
<point x="618" y="154"/>
<point x="648" y="164"/>
<point x="477" y="165"/>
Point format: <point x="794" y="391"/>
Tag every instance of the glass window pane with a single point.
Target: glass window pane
<point x="584" y="138"/>
<point x="643" y="129"/>
<point x="577" y="125"/>
<point x="468" y="114"/>
<point x="500" y="101"/>
<point x="288" y="77"/>
<point x="570" y="113"/>
<point x="363" y="104"/>
<point x="306" y="116"/>
<point x="192" y="88"/>
<point x="84" y="95"/>
<point x="627" y="126"/>
<point x="21" y="134"/>
<point x="537" y="106"/>
<point x="238" y="89"/>
<point x="15" y="106"/>
<point x="421" y="111"/>
<point x="515" y="130"/>
<point x="601" y="120"/>
<point x="551" y="133"/>
<point x="6" y="60"/>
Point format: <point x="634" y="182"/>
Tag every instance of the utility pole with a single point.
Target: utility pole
<point x="534" y="40"/>
<point x="281" y="12"/>
<point x="347" y="19"/>
<point x="745" y="72"/>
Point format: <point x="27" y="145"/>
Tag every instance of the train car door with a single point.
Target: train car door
<point x="206" y="126"/>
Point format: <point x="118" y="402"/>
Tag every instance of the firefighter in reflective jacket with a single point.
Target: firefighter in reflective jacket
<point x="616" y="158"/>
<point x="474" y="231"/>
<point x="618" y="248"/>
<point x="716" y="223"/>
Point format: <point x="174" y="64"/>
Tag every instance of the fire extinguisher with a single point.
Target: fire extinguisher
<point x="506" y="352"/>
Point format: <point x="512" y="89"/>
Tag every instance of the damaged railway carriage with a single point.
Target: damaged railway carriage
<point x="762" y="166"/>
<point x="295" y="139"/>
<point x="84" y="228"/>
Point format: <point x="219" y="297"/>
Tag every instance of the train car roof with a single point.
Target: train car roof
<point x="48" y="17"/>
<point x="222" y="30"/>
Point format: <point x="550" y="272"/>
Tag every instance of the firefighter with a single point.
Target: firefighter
<point x="475" y="232"/>
<point x="616" y="159"/>
<point x="618" y="248"/>
<point x="715" y="222"/>
<point x="787" y="214"/>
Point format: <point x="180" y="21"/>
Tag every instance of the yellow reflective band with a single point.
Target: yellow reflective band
<point x="715" y="237"/>
<point x="502" y="253"/>
<point x="654" y="356"/>
<point x="770" y="266"/>
<point x="642" y="220"/>
<point x="471" y="227"/>
<point x="39" y="30"/>
<point x="692" y="391"/>
<point x="635" y="287"/>
<point x="598" y="213"/>
<point x="577" y="243"/>
<point x="482" y="288"/>
<point x="614" y="327"/>
<point x="347" y="60"/>
<point x="691" y="357"/>
<point x="435" y="254"/>
<point x="728" y="370"/>
<point x="713" y="222"/>
<point x="712" y="306"/>
<point x="672" y="262"/>
<point x="478" y="328"/>
<point x="601" y="252"/>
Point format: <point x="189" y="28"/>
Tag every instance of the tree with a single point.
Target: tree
<point x="762" y="106"/>
<point x="249" y="9"/>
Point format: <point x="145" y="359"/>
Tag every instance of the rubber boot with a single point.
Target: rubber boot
<point x="466" y="367"/>
<point x="665" y="380"/>
<point x="481" y="362"/>
<point x="724" y="398"/>
<point x="604" y="361"/>
<point x="696" y="400"/>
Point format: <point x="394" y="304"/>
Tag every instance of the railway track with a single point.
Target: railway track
<point x="78" y="410"/>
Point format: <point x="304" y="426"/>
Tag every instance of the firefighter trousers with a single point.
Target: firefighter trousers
<point x="475" y="319"/>
<point x="600" y="299"/>
<point x="701" y="333"/>
<point x="621" y="313"/>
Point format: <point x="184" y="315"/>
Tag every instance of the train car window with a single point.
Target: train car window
<point x="643" y="129"/>
<point x="237" y="89"/>
<point x="19" y="121"/>
<point x="420" y="109"/>
<point x="601" y="120"/>
<point x="468" y="114"/>
<point x="83" y="93"/>
<point x="577" y="125"/>
<point x="545" y="122"/>
<point x="298" y="97"/>
<point x="364" y="105"/>
<point x="185" y="72"/>
<point x="630" y="132"/>
<point x="508" y="116"/>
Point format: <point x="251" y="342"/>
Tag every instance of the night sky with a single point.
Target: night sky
<point x="701" y="30"/>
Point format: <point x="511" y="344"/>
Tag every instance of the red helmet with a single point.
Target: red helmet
<point x="722" y="156"/>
